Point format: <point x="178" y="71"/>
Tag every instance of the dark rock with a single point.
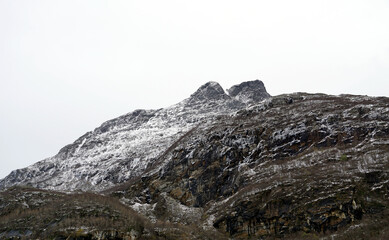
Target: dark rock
<point x="209" y="91"/>
<point x="249" y="92"/>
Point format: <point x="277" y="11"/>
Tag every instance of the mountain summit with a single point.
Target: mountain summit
<point x="209" y="91"/>
<point x="215" y="166"/>
<point x="125" y="147"/>
<point x="249" y="92"/>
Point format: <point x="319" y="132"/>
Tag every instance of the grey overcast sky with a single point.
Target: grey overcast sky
<point x="67" y="66"/>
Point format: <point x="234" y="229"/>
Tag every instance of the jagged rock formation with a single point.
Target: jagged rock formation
<point x="249" y="92"/>
<point x="239" y="166"/>
<point x="124" y="147"/>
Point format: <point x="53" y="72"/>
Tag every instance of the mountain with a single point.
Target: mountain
<point x="242" y="165"/>
<point x="303" y="164"/>
<point x="127" y="146"/>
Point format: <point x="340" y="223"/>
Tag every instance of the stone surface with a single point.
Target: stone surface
<point x="249" y="92"/>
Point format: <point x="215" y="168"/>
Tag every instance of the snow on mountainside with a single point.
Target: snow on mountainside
<point x="294" y="166"/>
<point x="124" y="147"/>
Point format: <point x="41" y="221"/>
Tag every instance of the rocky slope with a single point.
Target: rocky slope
<point x="123" y="148"/>
<point x="28" y="213"/>
<point x="294" y="166"/>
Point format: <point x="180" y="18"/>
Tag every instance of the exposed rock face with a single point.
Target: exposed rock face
<point x="249" y="92"/>
<point x="125" y="147"/>
<point x="294" y="163"/>
<point x="208" y="92"/>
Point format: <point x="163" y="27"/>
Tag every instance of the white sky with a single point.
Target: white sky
<point x="67" y="66"/>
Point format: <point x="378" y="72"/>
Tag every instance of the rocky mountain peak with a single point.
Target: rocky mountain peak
<point x="209" y="91"/>
<point x="249" y="92"/>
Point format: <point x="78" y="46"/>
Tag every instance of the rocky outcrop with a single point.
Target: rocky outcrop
<point x="210" y="91"/>
<point x="249" y="92"/>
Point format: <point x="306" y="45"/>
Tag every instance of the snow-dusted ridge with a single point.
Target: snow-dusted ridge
<point x="124" y="147"/>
